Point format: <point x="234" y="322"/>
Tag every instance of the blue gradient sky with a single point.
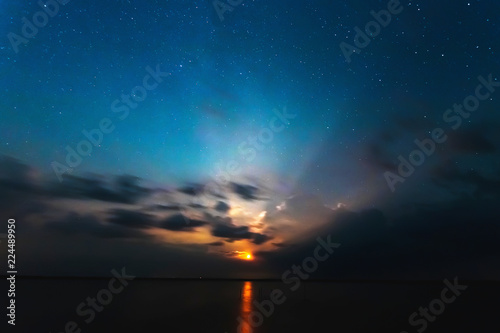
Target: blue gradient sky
<point x="352" y="120"/>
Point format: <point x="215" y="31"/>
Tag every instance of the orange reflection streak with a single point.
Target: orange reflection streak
<point x="246" y="307"/>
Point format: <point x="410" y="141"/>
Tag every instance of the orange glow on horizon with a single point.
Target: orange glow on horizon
<point x="243" y="255"/>
<point x="246" y="256"/>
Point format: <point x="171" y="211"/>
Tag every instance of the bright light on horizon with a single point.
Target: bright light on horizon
<point x="245" y="255"/>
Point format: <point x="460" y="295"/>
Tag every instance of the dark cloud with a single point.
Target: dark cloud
<point x="460" y="182"/>
<point x="247" y="192"/>
<point x="470" y="141"/>
<point x="179" y="222"/>
<point x="192" y="190"/>
<point x="222" y="207"/>
<point x="217" y="194"/>
<point x="260" y="238"/>
<point x="94" y="253"/>
<point x="233" y="232"/>
<point x="218" y="243"/>
<point x="197" y="206"/>
<point x="19" y="186"/>
<point x="376" y="155"/>
<point x="280" y="244"/>
<point x="131" y="219"/>
<point x="426" y="242"/>
<point x="159" y="207"/>
<point x="15" y="175"/>
<point x="122" y="189"/>
<point x="74" y="223"/>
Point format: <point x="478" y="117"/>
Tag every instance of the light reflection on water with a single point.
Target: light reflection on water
<point x="246" y="307"/>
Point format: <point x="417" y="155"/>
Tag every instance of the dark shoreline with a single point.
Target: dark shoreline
<point x="358" y="281"/>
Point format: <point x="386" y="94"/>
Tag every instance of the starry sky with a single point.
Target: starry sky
<point x="177" y="139"/>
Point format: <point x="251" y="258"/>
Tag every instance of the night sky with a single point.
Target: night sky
<point x="156" y="136"/>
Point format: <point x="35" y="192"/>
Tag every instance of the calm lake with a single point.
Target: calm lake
<point x="47" y="305"/>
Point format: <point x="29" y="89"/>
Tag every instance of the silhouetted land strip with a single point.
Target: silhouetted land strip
<point x="363" y="281"/>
